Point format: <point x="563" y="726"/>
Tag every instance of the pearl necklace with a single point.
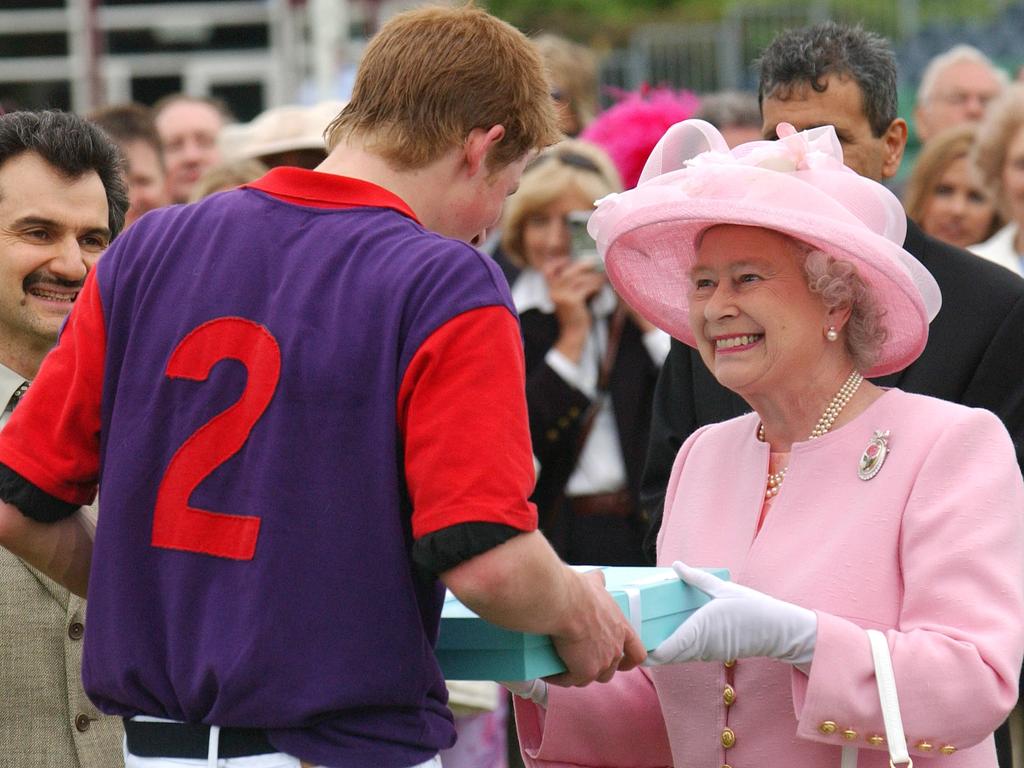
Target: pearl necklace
<point x="775" y="483"/>
<point x="828" y="418"/>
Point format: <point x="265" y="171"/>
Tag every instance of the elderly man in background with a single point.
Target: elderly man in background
<point x="830" y="74"/>
<point x="956" y="87"/>
<point x="132" y="128"/>
<point x="189" y="127"/>
<point x="62" y="200"/>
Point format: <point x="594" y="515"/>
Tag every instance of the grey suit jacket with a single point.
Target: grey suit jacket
<point x="46" y="721"/>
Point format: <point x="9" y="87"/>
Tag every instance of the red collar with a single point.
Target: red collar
<point x="327" y="190"/>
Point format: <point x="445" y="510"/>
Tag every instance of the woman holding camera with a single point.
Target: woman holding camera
<point x="591" y="363"/>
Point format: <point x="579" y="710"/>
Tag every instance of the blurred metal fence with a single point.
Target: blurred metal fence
<point x="711" y="56"/>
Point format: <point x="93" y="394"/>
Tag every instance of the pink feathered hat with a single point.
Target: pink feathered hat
<point x="630" y="129"/>
<point x="797" y="185"/>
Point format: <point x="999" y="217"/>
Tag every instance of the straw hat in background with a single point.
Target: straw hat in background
<point x="288" y="135"/>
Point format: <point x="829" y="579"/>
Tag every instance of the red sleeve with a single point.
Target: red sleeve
<point x="53" y="437"/>
<point x="462" y="413"/>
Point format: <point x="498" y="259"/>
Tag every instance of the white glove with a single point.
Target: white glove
<point x="737" y="623"/>
<point x="534" y="690"/>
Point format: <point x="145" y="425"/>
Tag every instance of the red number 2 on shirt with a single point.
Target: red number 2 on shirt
<point x="176" y="525"/>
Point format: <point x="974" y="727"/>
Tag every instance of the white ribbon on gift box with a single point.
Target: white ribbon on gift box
<point x="636" y="611"/>
<point x="632" y="592"/>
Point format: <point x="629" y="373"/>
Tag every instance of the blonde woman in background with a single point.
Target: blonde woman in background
<point x="225" y="176"/>
<point x="946" y="196"/>
<point x="999" y="155"/>
<point x="572" y="69"/>
<point x="591" y="361"/>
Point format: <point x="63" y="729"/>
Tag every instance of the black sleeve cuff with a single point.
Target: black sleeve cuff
<point x="33" y="501"/>
<point x="444" y="549"/>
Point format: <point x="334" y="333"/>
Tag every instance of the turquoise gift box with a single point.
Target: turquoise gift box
<point x="470" y="648"/>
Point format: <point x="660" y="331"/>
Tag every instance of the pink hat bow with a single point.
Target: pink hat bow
<point x="696" y="143"/>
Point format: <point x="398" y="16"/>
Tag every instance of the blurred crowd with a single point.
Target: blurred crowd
<point x="592" y="363"/>
<point x="966" y="186"/>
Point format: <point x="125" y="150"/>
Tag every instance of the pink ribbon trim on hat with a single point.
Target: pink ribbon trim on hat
<point x="816" y="149"/>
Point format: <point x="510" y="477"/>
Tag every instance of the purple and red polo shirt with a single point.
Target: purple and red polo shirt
<point x="279" y="390"/>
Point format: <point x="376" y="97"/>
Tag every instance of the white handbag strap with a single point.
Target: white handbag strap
<point x="886" y="681"/>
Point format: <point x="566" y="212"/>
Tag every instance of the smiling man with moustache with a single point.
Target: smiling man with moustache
<point x="62" y="199"/>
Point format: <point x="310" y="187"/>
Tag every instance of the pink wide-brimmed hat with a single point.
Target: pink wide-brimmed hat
<point x="798" y="186"/>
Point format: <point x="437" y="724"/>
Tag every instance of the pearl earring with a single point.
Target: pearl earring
<point x="831" y="334"/>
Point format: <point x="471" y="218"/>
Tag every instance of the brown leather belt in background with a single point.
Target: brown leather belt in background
<point x="617" y="504"/>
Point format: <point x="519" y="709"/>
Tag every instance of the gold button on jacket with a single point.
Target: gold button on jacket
<point x="947" y="749"/>
<point x="828" y="727"/>
<point x="729" y="695"/>
<point x="876" y="740"/>
<point x="728" y="737"/>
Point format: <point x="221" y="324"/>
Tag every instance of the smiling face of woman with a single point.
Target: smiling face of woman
<point x="759" y="328"/>
<point x="959" y="210"/>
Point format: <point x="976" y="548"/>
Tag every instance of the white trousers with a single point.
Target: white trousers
<point x="273" y="760"/>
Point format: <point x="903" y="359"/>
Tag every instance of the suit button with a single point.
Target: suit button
<point x="82" y="723"/>
<point x="551" y="435"/>
<point x="729" y="664"/>
<point x="924" y="746"/>
<point x="574" y="411"/>
<point x="729" y="695"/>
<point x="76" y="630"/>
<point x="876" y="740"/>
<point x="728" y="737"/>
<point x="563" y="422"/>
<point x="947" y="749"/>
<point x="828" y="728"/>
<point x="849" y="734"/>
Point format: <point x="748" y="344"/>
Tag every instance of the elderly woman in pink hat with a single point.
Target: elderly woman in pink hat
<point x="875" y="538"/>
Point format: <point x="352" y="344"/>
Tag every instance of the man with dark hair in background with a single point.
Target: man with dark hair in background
<point x="831" y="74"/>
<point x="62" y="200"/>
<point x="133" y="129"/>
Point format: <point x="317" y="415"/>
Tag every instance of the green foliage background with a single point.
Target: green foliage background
<point x="610" y="22"/>
<point x="600" y="20"/>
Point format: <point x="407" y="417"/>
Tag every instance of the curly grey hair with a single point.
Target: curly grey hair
<point x="839" y="285"/>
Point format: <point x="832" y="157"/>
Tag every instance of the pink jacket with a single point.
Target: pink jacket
<point x="931" y="551"/>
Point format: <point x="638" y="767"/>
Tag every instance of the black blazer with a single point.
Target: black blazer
<point x="557" y="409"/>
<point x="974" y="356"/>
